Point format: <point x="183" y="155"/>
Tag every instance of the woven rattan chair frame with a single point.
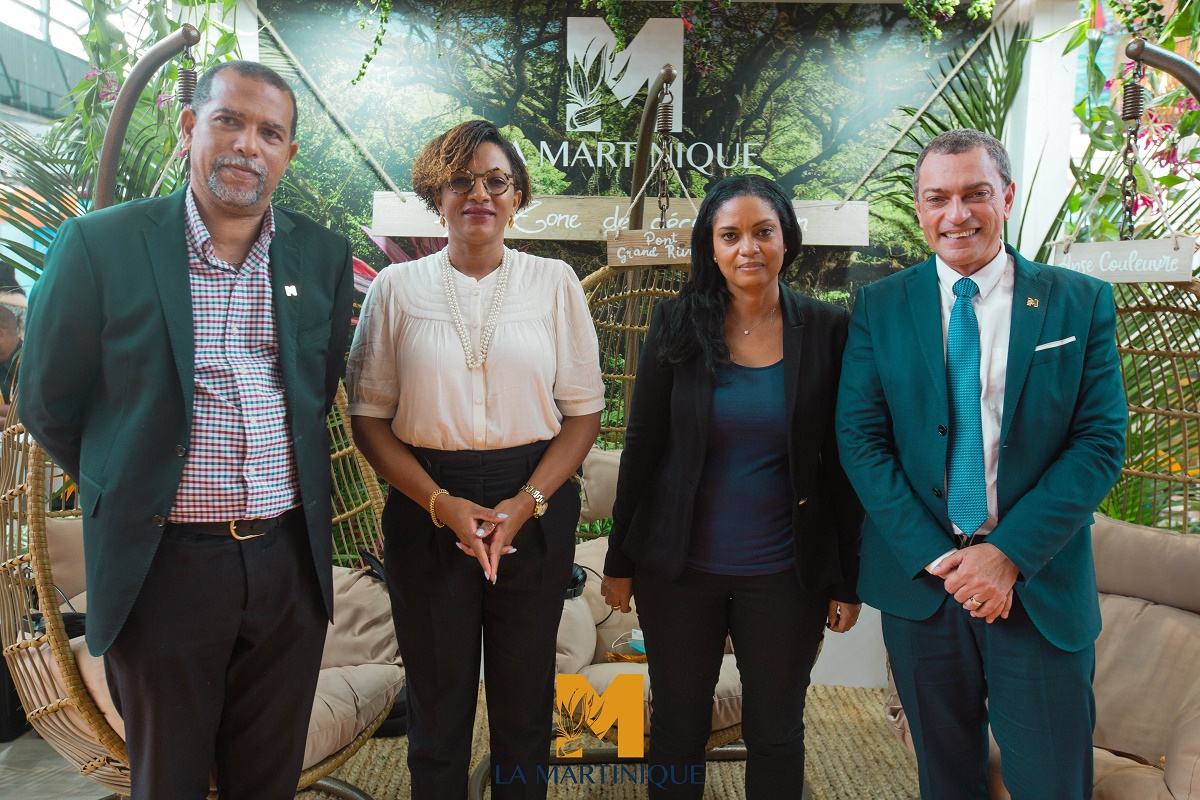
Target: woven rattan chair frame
<point x="1158" y="338"/>
<point x="621" y="300"/>
<point x="62" y="711"/>
<point x="357" y="494"/>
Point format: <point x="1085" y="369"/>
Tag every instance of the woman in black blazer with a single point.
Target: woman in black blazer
<point x="733" y="515"/>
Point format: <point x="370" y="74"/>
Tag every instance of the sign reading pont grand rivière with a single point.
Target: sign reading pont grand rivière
<point x="581" y="218"/>
<point x="1139" y="261"/>
<point x="644" y="248"/>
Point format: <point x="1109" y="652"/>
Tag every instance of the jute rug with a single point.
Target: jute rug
<point x="851" y="755"/>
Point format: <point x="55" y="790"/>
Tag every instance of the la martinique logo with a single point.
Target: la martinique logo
<point x="578" y="708"/>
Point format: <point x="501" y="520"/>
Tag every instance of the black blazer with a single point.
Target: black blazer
<point x="668" y="434"/>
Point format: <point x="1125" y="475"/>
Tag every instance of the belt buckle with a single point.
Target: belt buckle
<point x="233" y="532"/>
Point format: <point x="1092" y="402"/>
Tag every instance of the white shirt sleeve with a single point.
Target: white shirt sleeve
<point x="933" y="564"/>
<point x="578" y="387"/>
<point x="372" y="374"/>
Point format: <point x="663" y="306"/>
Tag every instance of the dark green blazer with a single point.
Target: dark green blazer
<point x="108" y="375"/>
<point x="1062" y="441"/>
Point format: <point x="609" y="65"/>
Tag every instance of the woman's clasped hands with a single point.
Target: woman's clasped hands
<point x="485" y="534"/>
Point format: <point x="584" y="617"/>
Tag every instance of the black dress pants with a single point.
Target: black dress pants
<point x="441" y="603"/>
<point x="217" y="664"/>
<point x="776" y="628"/>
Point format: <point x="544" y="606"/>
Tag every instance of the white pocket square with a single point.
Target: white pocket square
<point x="1059" y="343"/>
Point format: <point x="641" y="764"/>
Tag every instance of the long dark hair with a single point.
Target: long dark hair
<point x="695" y="326"/>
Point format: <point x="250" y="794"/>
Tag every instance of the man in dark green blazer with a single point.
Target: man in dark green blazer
<point x="183" y="354"/>
<point x="981" y="418"/>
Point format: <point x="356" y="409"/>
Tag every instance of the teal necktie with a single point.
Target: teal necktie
<point x="967" y="482"/>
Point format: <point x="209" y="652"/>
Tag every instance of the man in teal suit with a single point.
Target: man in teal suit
<point x="183" y="354"/>
<point x="981" y="418"/>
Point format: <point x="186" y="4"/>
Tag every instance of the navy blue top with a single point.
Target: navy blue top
<point x="742" y="523"/>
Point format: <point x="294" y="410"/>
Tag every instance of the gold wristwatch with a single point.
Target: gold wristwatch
<point x="540" y="504"/>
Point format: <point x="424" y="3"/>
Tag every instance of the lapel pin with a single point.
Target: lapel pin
<point x="290" y="291"/>
<point x="1031" y="302"/>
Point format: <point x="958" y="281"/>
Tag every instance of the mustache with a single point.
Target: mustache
<point x="241" y="162"/>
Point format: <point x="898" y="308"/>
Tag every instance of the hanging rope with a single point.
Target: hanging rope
<point x="652" y="174"/>
<point x="1070" y="238"/>
<point x="1154" y="195"/>
<point x="941" y="87"/>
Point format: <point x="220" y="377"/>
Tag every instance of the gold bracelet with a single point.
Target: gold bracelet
<point x="433" y="514"/>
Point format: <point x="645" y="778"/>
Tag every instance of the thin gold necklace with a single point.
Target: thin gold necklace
<point x="746" y="331"/>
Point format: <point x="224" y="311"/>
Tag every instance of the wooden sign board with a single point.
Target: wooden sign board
<point x="652" y="247"/>
<point x="585" y="218"/>
<point x="1139" y="261"/>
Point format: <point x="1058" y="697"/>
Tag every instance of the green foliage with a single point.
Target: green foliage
<point x="930" y="13"/>
<point x="1093" y="209"/>
<point x="384" y="9"/>
<point x="1159" y="486"/>
<point x="53" y="175"/>
<point x="612" y="15"/>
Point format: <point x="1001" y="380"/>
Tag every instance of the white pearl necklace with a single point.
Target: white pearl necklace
<point x="485" y="339"/>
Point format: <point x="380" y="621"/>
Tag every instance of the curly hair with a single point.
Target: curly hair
<point x="695" y="326"/>
<point x="453" y="150"/>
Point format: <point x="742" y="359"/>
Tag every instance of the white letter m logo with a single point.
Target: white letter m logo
<point x="592" y="64"/>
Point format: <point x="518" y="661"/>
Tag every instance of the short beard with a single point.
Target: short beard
<point x="233" y="197"/>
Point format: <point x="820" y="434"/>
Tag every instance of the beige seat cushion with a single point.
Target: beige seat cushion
<point x="576" y="643"/>
<point x="608" y="627"/>
<point x="64" y="541"/>
<point x="354" y="685"/>
<point x="348" y="698"/>
<point x="362" y="631"/>
<point x="1146" y="665"/>
<point x="598" y="485"/>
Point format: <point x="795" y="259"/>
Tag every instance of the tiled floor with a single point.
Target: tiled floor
<point x="30" y="770"/>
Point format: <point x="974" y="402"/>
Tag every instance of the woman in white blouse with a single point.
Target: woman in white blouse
<point x="475" y="391"/>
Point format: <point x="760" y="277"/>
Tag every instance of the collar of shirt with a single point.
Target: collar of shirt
<point x="200" y="240"/>
<point x="986" y="278"/>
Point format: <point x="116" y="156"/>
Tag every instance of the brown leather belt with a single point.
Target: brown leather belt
<point x="240" y="529"/>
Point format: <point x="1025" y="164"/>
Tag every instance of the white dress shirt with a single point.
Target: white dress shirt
<point x="407" y="363"/>
<point x="993" y="310"/>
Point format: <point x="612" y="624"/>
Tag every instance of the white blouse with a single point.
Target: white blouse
<point x="407" y="363"/>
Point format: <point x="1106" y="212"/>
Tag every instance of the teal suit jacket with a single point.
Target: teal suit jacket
<point x="1062" y="442"/>
<point x="108" y="377"/>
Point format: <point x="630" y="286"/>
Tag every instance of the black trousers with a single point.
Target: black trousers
<point x="776" y="628"/>
<point x="956" y="674"/>
<point x="217" y="664"/>
<point x="441" y="602"/>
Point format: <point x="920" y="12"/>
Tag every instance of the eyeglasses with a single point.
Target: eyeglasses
<point x="495" y="181"/>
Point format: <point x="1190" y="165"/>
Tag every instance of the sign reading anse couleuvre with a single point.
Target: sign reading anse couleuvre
<point x="1169" y="260"/>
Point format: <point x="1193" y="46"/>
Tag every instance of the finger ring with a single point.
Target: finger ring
<point x="618" y="605"/>
<point x="975" y="601"/>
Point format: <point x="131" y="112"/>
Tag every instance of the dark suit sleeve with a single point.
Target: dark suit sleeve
<point x="869" y="456"/>
<point x="339" y="332"/>
<point x="61" y="358"/>
<point x="841" y="499"/>
<point x="1070" y="489"/>
<point x="646" y="435"/>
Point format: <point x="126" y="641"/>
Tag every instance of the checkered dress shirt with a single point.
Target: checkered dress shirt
<point x="240" y="463"/>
